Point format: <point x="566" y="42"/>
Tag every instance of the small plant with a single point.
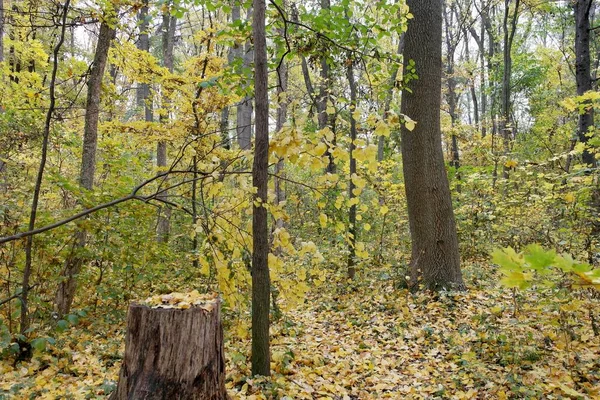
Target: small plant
<point x="534" y="267"/>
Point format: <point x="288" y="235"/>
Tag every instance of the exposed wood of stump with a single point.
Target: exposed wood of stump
<point x="172" y="354"/>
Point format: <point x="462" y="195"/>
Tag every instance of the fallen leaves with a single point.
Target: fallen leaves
<point x="183" y="301"/>
<point x="364" y="340"/>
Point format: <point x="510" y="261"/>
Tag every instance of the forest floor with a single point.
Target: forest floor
<point x="370" y="340"/>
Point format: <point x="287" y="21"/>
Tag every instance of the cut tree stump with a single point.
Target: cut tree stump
<point x="173" y="353"/>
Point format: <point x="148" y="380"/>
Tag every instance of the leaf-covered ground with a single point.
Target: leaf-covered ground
<point x="370" y="340"/>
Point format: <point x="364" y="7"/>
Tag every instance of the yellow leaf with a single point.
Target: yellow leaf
<point x="382" y="129"/>
<point x="320" y="149"/>
<point x="570" y="198"/>
<point x="510" y="164"/>
<point x="323" y="220"/>
<point x="409" y="123"/>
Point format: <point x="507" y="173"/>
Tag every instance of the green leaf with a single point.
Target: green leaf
<point x="39" y="344"/>
<point x="507" y="259"/>
<point x="538" y="258"/>
<point x="62" y="325"/>
<point x="515" y="279"/>
<point x="73" y="319"/>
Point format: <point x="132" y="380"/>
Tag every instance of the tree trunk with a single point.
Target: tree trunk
<point x="261" y="284"/>
<point x="389" y="97"/>
<point x="506" y="127"/>
<point x="452" y="97"/>
<point x="324" y="95"/>
<point x="352" y="211"/>
<point x="172" y="354"/>
<point x="283" y="102"/>
<point x="24" y="323"/>
<point x="143" y="91"/>
<point x="1" y="30"/>
<point x="582" y="72"/>
<point x="169" y="25"/>
<point x="68" y="285"/>
<point x="435" y="260"/>
<point x="245" y="106"/>
<point x="3" y="174"/>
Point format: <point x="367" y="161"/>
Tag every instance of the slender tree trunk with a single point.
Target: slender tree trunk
<point x="3" y="173"/>
<point x="1" y="30"/>
<point x="283" y="102"/>
<point x="583" y="73"/>
<point x="472" y="90"/>
<point x="451" y="81"/>
<point x="74" y="262"/>
<point x="493" y="48"/>
<point x="352" y="231"/>
<point x="506" y="127"/>
<point x="324" y="97"/>
<point x="169" y="25"/>
<point x="24" y="324"/>
<point x="231" y="54"/>
<point x="435" y="261"/>
<point x="143" y="91"/>
<point x="388" y="99"/>
<point x="261" y="284"/>
<point x="245" y="106"/>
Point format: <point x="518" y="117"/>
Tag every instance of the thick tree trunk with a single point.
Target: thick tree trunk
<point x="172" y="354"/>
<point x="583" y="73"/>
<point x="261" y="283"/>
<point x="68" y="285"/>
<point x="169" y="25"/>
<point x="435" y="261"/>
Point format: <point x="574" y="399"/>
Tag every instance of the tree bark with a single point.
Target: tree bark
<point x="74" y="262"/>
<point x="261" y="285"/>
<point x="435" y="260"/>
<point x="583" y="73"/>
<point x="172" y="354"/>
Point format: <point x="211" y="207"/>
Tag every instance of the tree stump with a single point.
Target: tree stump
<point x="173" y="353"/>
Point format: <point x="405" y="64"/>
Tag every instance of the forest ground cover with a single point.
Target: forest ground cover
<point x="368" y="339"/>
